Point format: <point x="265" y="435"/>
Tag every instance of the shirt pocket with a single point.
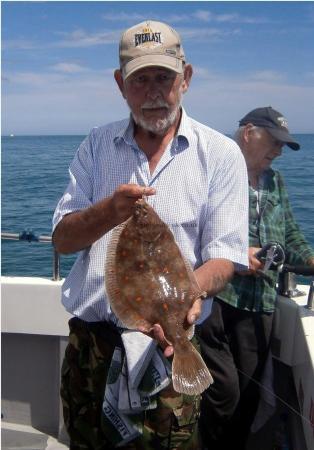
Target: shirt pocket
<point x="274" y="219"/>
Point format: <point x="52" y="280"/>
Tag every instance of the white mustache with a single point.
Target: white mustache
<point x="155" y="105"/>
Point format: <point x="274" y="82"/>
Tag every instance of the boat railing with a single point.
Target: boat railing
<point x="29" y="236"/>
<point x="310" y="297"/>
<point x="287" y="285"/>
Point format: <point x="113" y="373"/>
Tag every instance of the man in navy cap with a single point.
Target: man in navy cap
<point x="235" y="339"/>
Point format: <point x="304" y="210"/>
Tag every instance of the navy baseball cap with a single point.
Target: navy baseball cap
<point x="275" y="123"/>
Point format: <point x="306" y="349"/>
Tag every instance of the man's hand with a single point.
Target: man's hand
<point x="254" y="264"/>
<point x="80" y="229"/>
<point x="124" y="197"/>
<point x="310" y="261"/>
<point x="158" y="333"/>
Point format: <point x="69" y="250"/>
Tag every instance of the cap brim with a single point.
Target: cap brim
<point x="168" y="62"/>
<point x="284" y="136"/>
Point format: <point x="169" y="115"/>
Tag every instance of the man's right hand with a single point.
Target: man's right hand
<point x="124" y="197"/>
<point x="80" y="229"/>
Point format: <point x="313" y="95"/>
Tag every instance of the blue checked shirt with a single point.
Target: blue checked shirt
<point x="201" y="193"/>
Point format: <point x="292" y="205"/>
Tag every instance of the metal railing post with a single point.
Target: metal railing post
<point x="56" y="266"/>
<point x="29" y="236"/>
<point x="310" y="297"/>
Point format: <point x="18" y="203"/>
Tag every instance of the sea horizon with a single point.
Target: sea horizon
<point x="85" y="134"/>
<point x="35" y="175"/>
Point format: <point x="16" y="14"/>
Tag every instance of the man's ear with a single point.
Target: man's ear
<point x="188" y="72"/>
<point x="247" y="131"/>
<point x="119" y="80"/>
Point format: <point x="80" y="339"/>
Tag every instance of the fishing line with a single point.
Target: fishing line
<point x="277" y="397"/>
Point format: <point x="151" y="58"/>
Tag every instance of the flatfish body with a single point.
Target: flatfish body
<point x="148" y="281"/>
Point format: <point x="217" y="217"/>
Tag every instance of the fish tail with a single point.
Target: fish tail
<point x="189" y="373"/>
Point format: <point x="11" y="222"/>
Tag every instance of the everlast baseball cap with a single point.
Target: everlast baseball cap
<point x="274" y="122"/>
<point x="150" y="43"/>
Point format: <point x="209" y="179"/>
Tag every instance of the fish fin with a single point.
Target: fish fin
<point x="189" y="373"/>
<point x="111" y="284"/>
<point x="110" y="279"/>
<point x="142" y="325"/>
<point x="194" y="284"/>
<point x="190" y="332"/>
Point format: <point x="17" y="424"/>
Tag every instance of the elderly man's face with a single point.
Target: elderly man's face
<point x="262" y="148"/>
<point x="154" y="97"/>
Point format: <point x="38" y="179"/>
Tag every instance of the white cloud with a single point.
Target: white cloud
<point x="75" y="39"/>
<point x="268" y="76"/>
<point x="203" y="15"/>
<point x="124" y="17"/>
<point x="220" y="101"/>
<point x="203" y="34"/>
<point x="207" y="16"/>
<point x="309" y="75"/>
<point x="202" y="72"/>
<point x="61" y="103"/>
<point x="29" y="81"/>
<point x="67" y="67"/>
<point x="80" y="38"/>
<point x="19" y="44"/>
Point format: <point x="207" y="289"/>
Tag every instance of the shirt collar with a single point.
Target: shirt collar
<point x="126" y="133"/>
<point x="184" y="127"/>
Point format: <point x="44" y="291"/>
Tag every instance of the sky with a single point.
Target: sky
<point x="58" y="60"/>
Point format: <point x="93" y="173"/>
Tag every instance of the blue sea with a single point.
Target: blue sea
<point x="35" y="174"/>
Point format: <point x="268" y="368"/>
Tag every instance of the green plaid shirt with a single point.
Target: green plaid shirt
<point x="274" y="222"/>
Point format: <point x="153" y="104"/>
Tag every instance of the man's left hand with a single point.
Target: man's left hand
<point x="158" y="333"/>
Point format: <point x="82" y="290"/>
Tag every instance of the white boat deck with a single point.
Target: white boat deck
<point x="18" y="437"/>
<point x="34" y="336"/>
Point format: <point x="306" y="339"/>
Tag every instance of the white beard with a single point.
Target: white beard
<point x="159" y="126"/>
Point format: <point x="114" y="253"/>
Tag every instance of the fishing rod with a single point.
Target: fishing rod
<point x="273" y="256"/>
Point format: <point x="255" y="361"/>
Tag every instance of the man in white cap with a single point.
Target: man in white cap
<point x="195" y="178"/>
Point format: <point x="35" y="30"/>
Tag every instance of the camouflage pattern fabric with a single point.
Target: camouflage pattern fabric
<point x="172" y="425"/>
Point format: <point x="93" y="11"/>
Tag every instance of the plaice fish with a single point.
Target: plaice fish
<point x="148" y="281"/>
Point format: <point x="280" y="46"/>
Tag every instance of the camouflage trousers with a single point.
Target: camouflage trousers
<point x="172" y="425"/>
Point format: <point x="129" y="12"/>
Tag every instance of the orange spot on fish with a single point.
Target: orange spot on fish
<point x="165" y="306"/>
<point x="126" y="278"/>
<point x="124" y="253"/>
<point x="138" y="299"/>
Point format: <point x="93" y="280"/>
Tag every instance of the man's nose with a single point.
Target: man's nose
<point x="278" y="150"/>
<point x="153" y="91"/>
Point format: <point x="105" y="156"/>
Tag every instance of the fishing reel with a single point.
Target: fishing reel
<point x="272" y="255"/>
